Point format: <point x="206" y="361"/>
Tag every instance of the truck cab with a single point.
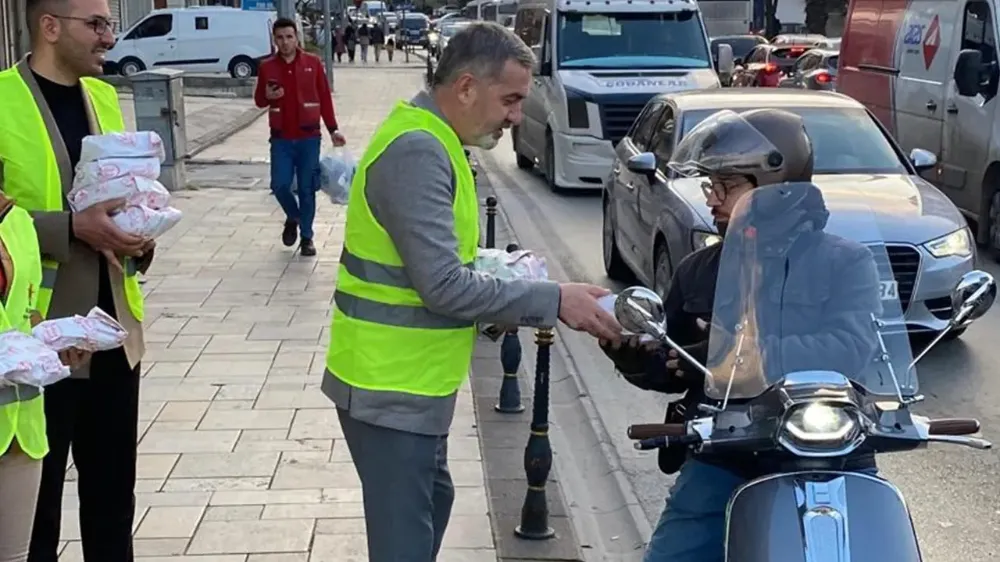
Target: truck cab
<point x="597" y="66"/>
<point x="928" y="70"/>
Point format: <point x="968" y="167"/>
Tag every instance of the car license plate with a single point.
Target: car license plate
<point x="889" y="290"/>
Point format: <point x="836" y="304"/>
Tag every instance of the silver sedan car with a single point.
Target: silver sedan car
<point x="653" y="219"/>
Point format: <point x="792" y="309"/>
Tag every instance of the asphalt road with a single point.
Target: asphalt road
<point x="952" y="491"/>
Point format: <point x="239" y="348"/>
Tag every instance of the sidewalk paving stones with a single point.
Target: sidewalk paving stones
<point x="241" y="458"/>
<point x="208" y="119"/>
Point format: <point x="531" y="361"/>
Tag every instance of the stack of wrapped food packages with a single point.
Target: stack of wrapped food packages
<point x="125" y="166"/>
<point x="33" y="359"/>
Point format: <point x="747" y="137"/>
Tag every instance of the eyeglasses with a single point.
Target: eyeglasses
<point x="720" y="187"/>
<point x="99" y="24"/>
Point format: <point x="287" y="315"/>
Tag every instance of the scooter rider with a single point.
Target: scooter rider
<point x="723" y="147"/>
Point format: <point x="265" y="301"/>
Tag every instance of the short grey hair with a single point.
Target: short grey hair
<point x="481" y="49"/>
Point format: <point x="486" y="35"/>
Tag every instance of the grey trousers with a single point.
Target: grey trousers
<point x="407" y="490"/>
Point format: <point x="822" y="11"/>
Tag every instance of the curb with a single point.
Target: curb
<point x="621" y="504"/>
<point x="242" y="121"/>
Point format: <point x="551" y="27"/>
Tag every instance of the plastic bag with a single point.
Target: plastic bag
<point x="99" y="171"/>
<point x="147" y="222"/>
<point x="522" y="264"/>
<point x="26" y="360"/>
<point x="136" y="190"/>
<point x="336" y="174"/>
<point x="141" y="144"/>
<point x="95" y="332"/>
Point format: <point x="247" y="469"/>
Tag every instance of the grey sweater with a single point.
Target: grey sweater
<point x="410" y="189"/>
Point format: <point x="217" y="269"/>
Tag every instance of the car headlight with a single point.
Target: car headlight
<point x="958" y="243"/>
<point x="701" y="239"/>
<point x="821" y="429"/>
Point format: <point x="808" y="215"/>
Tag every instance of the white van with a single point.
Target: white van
<point x="196" y="39"/>
<point x="599" y="63"/>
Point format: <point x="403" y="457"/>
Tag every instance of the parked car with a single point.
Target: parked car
<point x="815" y="70"/>
<point x="809" y="39"/>
<point x="413" y="29"/>
<point x="930" y="75"/>
<point x="741" y="45"/>
<point x="195" y="39"/>
<point x="653" y="218"/>
<point x="766" y="65"/>
<point x="446" y="31"/>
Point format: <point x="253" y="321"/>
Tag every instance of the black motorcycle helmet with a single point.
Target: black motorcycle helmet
<point x="768" y="146"/>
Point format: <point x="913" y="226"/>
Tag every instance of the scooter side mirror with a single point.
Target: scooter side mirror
<point x="973" y="296"/>
<point x="640" y="311"/>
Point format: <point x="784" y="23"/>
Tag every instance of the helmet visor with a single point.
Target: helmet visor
<point x="725" y="144"/>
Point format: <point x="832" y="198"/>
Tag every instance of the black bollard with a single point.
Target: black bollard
<point x="491" y="222"/>
<point x="430" y="71"/>
<point x="538" y="452"/>
<point x="510" y="356"/>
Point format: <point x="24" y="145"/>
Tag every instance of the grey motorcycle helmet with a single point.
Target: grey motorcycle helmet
<point x="767" y="145"/>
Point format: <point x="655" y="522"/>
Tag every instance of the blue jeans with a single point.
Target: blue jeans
<point x="692" y="527"/>
<point x="296" y="159"/>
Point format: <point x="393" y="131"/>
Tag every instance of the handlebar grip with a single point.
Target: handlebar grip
<point x="653" y="430"/>
<point x="954" y="426"/>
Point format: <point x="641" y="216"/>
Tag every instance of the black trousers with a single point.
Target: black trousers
<point x="97" y="420"/>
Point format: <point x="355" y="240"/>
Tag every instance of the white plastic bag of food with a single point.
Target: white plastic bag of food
<point x="336" y="174"/>
<point x="141" y="144"/>
<point x="147" y="222"/>
<point x="136" y="190"/>
<point x="99" y="171"/>
<point x="97" y="331"/>
<point x="521" y="264"/>
<point x="26" y="360"/>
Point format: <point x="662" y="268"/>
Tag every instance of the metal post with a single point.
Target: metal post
<point x="538" y="452"/>
<point x="327" y="42"/>
<point x="509" y="401"/>
<point x="491" y="222"/>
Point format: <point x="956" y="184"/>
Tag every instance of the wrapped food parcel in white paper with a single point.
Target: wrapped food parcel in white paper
<point x="141" y="144"/>
<point x="26" y="360"/>
<point x="97" y="331"/>
<point x="136" y="190"/>
<point x="93" y="172"/>
<point x="146" y="222"/>
<point x="520" y="264"/>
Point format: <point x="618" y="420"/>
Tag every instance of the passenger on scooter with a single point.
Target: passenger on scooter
<point x="738" y="152"/>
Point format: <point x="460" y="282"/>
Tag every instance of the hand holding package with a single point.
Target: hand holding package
<point x="521" y="264"/>
<point x="26" y="360"/>
<point x="336" y="174"/>
<point x="95" y="332"/>
<point x="141" y="144"/>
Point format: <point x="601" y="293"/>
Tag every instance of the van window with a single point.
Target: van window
<point x="153" y="26"/>
<point x="631" y="40"/>
<point x="528" y="25"/>
<point x="201" y="22"/>
<point x="845" y="141"/>
<point x="978" y="34"/>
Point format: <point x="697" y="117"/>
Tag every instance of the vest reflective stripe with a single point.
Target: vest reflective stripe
<point x="22" y="409"/>
<point x="31" y="174"/>
<point x="383" y="338"/>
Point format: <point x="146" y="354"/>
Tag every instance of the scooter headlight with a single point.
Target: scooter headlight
<point x="821" y="429"/>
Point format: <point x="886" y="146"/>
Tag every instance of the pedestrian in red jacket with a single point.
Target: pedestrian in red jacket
<point x="293" y="85"/>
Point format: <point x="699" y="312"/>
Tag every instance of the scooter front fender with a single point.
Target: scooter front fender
<point x="819" y="517"/>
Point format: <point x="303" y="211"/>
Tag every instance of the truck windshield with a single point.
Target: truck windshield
<point x="631" y="40"/>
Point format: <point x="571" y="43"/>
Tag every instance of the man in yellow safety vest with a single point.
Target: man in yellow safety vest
<point x="406" y="302"/>
<point x="48" y="103"/>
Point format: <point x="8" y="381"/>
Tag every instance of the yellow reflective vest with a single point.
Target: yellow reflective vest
<point x="30" y="172"/>
<point x="22" y="413"/>
<point x="383" y="338"/>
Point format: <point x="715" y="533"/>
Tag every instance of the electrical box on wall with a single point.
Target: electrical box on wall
<point x="159" y="107"/>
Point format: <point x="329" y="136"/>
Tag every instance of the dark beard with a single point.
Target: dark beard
<point x="721" y="227"/>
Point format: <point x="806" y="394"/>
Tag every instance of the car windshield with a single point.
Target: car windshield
<point x="741" y="45"/>
<point x="452" y="28"/>
<point x="631" y="40"/>
<point x="845" y="140"/>
<point x="410" y="22"/>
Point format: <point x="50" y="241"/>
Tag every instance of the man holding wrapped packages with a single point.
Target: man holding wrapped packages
<point x="50" y="102"/>
<point x="407" y="300"/>
<point x="293" y="86"/>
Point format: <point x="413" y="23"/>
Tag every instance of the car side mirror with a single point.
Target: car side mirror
<point x="967" y="72"/>
<point x="922" y="160"/>
<point x="643" y="163"/>
<point x="726" y="60"/>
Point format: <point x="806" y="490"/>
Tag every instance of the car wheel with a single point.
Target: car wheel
<point x="549" y="164"/>
<point x="614" y="265"/>
<point x="994" y="218"/>
<point x="661" y="270"/>
<point x="242" y="67"/>
<point x="523" y="162"/>
<point x="129" y="66"/>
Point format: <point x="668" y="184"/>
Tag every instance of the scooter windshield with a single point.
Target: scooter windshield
<point x="805" y="284"/>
